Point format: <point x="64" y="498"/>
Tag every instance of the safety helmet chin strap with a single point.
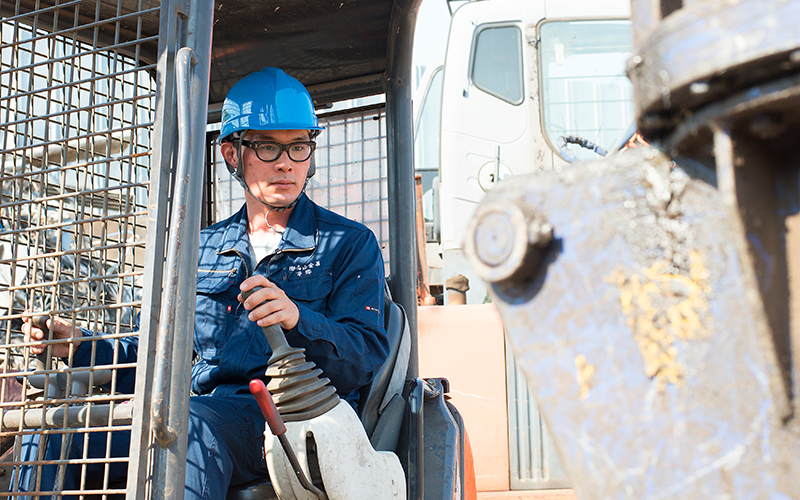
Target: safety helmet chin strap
<point x="239" y="175"/>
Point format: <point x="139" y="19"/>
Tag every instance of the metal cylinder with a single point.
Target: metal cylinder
<point x="690" y="54"/>
<point x="457" y="287"/>
<point x="506" y="241"/>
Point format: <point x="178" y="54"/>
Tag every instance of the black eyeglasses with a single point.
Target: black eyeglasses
<point x="271" y="151"/>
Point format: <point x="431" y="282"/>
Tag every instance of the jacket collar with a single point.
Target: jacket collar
<point x="300" y="234"/>
<point x="234" y="237"/>
<point x="301" y="230"/>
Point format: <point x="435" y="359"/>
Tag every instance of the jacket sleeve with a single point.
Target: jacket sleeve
<point x="96" y="350"/>
<point x="348" y="341"/>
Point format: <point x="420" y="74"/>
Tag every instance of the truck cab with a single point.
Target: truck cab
<point x="518" y="79"/>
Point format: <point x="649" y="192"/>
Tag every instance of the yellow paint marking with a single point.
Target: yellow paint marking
<point x="584" y="374"/>
<point x="662" y="309"/>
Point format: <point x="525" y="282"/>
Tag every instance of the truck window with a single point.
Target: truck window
<point x="426" y="140"/>
<point x="497" y="62"/>
<point x="584" y="88"/>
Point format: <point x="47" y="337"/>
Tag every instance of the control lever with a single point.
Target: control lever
<point x="299" y="389"/>
<point x="277" y="427"/>
<point x="40" y="322"/>
<point x="299" y="402"/>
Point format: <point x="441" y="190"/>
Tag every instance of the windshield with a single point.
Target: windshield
<point x="584" y="88"/>
<point x="426" y="141"/>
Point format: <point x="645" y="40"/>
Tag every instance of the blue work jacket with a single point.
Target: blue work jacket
<point x="330" y="266"/>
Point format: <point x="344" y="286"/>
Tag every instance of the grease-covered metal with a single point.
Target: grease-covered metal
<point x="705" y="50"/>
<point x="661" y="328"/>
<point x="638" y="336"/>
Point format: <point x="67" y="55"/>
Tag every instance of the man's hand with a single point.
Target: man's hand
<point x="61" y="330"/>
<point x="270" y="305"/>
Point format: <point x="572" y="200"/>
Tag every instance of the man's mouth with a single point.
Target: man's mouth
<point x="282" y="183"/>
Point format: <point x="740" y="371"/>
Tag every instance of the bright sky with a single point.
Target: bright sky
<point x="430" y="36"/>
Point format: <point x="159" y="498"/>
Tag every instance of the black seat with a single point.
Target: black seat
<point x="381" y="402"/>
<point x="381" y="405"/>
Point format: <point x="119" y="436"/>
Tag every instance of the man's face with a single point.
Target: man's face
<point x="276" y="182"/>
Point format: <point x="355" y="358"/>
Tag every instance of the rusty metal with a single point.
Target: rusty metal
<point x="661" y="328"/>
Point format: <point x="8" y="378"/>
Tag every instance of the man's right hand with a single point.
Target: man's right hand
<point x="270" y="304"/>
<point x="61" y="330"/>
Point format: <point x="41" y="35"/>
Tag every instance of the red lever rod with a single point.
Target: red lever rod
<point x="274" y="420"/>
<point x="277" y="427"/>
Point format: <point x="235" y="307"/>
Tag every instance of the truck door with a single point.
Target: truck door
<point x="486" y="116"/>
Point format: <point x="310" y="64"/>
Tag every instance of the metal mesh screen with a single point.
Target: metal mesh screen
<point x="534" y="462"/>
<point x="75" y="123"/>
<point x="351" y="177"/>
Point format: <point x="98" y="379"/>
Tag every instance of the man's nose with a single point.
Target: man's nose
<point x="283" y="163"/>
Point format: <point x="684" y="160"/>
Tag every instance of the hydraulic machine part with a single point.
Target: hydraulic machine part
<point x="323" y="433"/>
<point x="652" y="298"/>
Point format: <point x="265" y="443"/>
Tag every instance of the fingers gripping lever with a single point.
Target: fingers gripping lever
<point x="298" y="389"/>
<point x="40" y="322"/>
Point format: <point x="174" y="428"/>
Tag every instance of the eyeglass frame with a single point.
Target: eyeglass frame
<point x="283" y="147"/>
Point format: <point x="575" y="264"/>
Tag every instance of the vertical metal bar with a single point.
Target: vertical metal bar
<point x="362" y="169"/>
<point x="199" y="38"/>
<point x="139" y="479"/>
<point x="163" y="433"/>
<point x="726" y="181"/>
<point x="402" y="191"/>
<point x="168" y="465"/>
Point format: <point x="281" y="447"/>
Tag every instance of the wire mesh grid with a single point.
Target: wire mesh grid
<point x="351" y="176"/>
<point x="76" y="110"/>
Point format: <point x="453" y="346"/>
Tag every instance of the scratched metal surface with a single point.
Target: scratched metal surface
<point x="637" y="338"/>
<point x="705" y="50"/>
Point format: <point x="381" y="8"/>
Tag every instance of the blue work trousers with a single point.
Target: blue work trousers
<point x="225" y="447"/>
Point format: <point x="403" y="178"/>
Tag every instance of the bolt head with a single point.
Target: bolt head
<point x="505" y="241"/>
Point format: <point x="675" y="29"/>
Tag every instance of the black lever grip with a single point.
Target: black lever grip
<point x="40" y="322"/>
<point x="274" y="333"/>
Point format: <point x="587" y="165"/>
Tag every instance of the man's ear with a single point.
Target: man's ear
<point x="228" y="151"/>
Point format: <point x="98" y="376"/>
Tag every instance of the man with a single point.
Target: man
<point x="321" y="277"/>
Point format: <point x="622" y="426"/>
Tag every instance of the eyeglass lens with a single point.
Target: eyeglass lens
<point x="271" y="151"/>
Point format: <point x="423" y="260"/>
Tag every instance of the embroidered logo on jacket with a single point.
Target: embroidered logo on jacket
<point x="304" y="270"/>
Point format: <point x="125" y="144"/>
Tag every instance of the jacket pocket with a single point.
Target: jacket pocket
<point x="215" y="311"/>
<point x="313" y="291"/>
<point x="211" y="281"/>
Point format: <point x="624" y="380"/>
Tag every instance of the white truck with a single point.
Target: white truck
<point x="519" y="79"/>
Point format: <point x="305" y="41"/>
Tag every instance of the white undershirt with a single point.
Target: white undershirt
<point x="264" y="243"/>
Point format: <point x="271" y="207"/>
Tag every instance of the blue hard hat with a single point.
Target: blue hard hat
<point x="267" y="100"/>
